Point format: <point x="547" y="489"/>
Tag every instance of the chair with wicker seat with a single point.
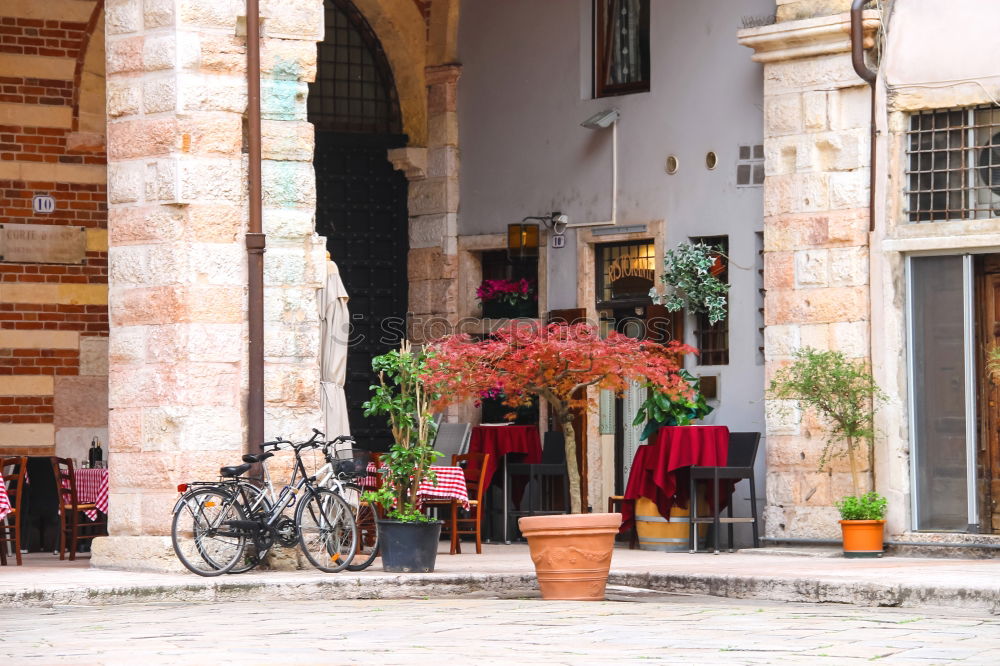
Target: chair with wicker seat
<point x="72" y="522"/>
<point x="12" y="471"/>
<point x="474" y="467"/>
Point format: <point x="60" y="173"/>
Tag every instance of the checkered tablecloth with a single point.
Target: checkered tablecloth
<point x="4" y="500"/>
<point x="449" y="484"/>
<point x="92" y="488"/>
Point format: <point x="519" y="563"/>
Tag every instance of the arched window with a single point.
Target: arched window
<point x="354" y="91"/>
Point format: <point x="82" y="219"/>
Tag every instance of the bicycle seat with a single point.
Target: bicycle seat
<point x="233" y="472"/>
<point x="256" y="457"/>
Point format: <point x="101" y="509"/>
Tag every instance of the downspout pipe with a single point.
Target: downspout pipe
<point x="858" y="60"/>
<point x="255" y="241"/>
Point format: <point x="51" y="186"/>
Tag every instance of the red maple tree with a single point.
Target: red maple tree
<point x="552" y="362"/>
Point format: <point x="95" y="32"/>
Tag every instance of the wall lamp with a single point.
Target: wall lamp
<point x="523" y="238"/>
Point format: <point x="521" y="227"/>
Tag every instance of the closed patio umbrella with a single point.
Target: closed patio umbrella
<point x="334" y="334"/>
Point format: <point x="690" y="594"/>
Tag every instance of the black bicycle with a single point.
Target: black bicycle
<point x="228" y="525"/>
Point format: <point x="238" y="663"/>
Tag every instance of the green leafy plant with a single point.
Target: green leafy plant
<point x="403" y="398"/>
<point x="844" y="395"/>
<point x="687" y="274"/>
<point x="870" y="506"/>
<point x="663" y="409"/>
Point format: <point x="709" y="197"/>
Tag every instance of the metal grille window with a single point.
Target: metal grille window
<point x="625" y="271"/>
<point x="712" y="340"/>
<point x="354" y="89"/>
<point x="953" y="165"/>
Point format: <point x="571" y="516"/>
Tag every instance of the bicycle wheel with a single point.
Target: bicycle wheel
<point x="202" y="538"/>
<point x="257" y="506"/>
<point x="366" y="520"/>
<point x="327" y="533"/>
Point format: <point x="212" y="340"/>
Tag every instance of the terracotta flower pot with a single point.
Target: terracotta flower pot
<point x="862" y="538"/>
<point x="572" y="553"/>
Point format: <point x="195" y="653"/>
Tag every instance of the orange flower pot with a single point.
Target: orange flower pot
<point x="572" y="553"/>
<point x="862" y="538"/>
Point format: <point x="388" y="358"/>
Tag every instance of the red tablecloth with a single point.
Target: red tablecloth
<point x="4" y="501"/>
<point x="498" y="441"/>
<point x="92" y="488"/>
<point x="659" y="468"/>
<point x="449" y="484"/>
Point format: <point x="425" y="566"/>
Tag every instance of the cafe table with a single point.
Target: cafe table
<point x="92" y="488"/>
<point x="660" y="468"/>
<point x="500" y="440"/>
<point x="4" y="500"/>
<point x="449" y="484"/>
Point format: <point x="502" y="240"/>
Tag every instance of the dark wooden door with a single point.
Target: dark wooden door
<point x="988" y="337"/>
<point x="361" y="209"/>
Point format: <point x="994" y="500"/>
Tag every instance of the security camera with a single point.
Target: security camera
<point x="601" y="120"/>
<point x="559" y="223"/>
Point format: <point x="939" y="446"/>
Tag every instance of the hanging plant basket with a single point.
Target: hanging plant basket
<point x="690" y="274"/>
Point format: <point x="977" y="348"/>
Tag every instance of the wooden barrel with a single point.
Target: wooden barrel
<point x="659" y="533"/>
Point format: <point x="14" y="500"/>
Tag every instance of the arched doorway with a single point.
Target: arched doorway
<point x="360" y="198"/>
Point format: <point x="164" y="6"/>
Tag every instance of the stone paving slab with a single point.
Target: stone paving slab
<point x="633" y="627"/>
<point x="891" y="581"/>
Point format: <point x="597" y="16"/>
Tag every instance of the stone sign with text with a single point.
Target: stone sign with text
<point x="42" y="244"/>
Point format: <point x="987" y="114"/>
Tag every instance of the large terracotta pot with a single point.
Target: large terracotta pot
<point x="862" y="538"/>
<point x="572" y="553"/>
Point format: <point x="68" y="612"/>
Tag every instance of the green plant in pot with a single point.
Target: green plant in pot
<point x="664" y="409"/>
<point x="407" y="538"/>
<point x="843" y="393"/>
<point x="690" y="276"/>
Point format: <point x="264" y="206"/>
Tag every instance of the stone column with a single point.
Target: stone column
<point x="433" y="208"/>
<point x="176" y="80"/>
<point x="816" y="128"/>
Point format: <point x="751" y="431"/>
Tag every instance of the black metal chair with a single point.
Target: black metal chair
<point x="739" y="465"/>
<point x="545" y="481"/>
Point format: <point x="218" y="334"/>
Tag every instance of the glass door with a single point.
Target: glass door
<point x="942" y="380"/>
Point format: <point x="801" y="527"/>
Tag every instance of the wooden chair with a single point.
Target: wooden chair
<point x="73" y="526"/>
<point x="474" y="466"/>
<point x="10" y="527"/>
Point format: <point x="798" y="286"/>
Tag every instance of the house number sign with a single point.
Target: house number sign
<point x="42" y="244"/>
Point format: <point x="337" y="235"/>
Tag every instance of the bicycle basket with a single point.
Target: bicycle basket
<point x="351" y="462"/>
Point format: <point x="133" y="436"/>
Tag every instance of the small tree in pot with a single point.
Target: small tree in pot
<point x="402" y="396"/>
<point x="555" y="362"/>
<point x="844" y="394"/>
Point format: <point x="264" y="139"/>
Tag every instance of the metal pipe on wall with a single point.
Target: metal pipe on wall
<point x="255" y="240"/>
<point x="858" y="60"/>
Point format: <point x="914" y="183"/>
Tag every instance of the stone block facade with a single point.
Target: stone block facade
<point x="816" y="244"/>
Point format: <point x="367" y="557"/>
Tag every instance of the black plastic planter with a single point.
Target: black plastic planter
<point x="408" y="547"/>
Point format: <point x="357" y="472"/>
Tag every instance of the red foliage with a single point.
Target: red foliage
<point x="552" y="362"/>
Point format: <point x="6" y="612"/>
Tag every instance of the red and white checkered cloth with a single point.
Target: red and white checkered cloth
<point x="4" y="500"/>
<point x="92" y="488"/>
<point x="449" y="484"/>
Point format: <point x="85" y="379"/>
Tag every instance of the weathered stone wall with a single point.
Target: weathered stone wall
<point x="53" y="316"/>
<point x="177" y="100"/>
<point x="816" y="120"/>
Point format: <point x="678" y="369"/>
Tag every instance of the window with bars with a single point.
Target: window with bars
<point x="712" y="340"/>
<point x="354" y="90"/>
<point x="953" y="165"/>
<point x="621" y="47"/>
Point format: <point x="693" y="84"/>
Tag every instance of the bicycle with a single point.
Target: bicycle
<point x="339" y="473"/>
<point x="213" y="523"/>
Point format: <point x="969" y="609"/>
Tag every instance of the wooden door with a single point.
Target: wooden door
<point x="988" y="336"/>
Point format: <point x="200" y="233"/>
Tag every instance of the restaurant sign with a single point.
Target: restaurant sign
<point x="630" y="277"/>
<point x="42" y="244"/>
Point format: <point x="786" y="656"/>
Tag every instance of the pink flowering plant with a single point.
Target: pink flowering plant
<point x="506" y="291"/>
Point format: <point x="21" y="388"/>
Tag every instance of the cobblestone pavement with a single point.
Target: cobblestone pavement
<point x="632" y="627"/>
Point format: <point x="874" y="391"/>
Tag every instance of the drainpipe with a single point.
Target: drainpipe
<point x="255" y="241"/>
<point x="858" y="60"/>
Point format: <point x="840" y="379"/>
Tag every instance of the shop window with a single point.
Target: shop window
<point x="953" y="165"/>
<point x="497" y="266"/>
<point x="621" y="47"/>
<point x="712" y="340"/>
<point x="625" y="272"/>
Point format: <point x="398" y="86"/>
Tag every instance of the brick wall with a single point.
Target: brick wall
<point x="53" y="317"/>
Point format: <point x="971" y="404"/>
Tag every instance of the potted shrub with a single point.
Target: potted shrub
<point x="572" y="553"/>
<point x="862" y="523"/>
<point x="408" y="539"/>
<point x="663" y="409"/>
<point x="507" y="299"/>
<point x="690" y="274"/>
<point x="844" y="395"/>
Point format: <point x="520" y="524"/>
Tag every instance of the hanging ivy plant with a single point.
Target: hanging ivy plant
<point x="687" y="274"/>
